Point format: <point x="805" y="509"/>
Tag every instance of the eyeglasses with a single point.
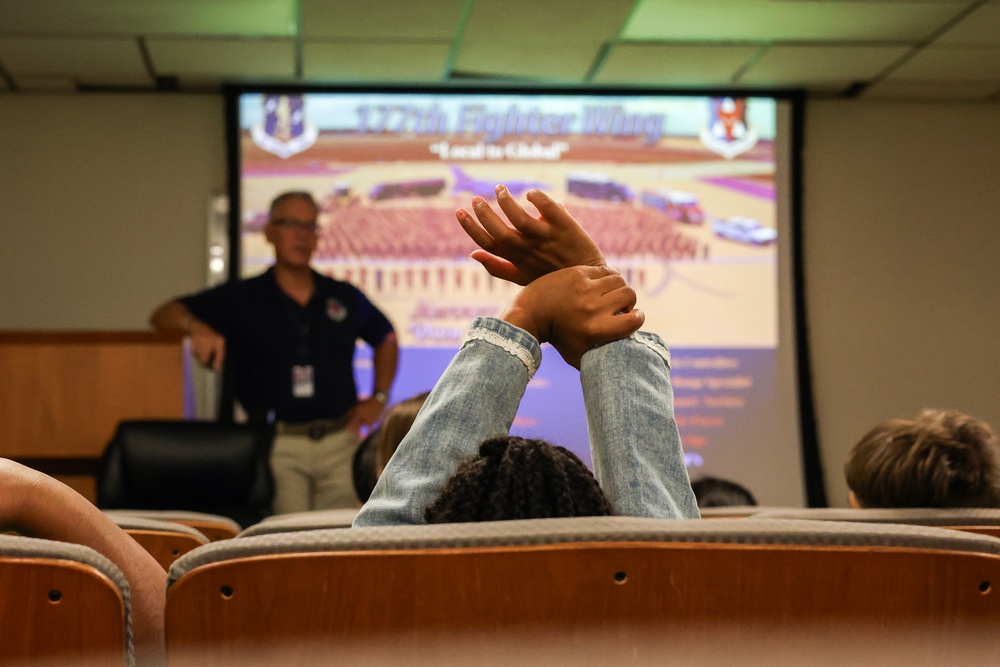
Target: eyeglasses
<point x="296" y="225"/>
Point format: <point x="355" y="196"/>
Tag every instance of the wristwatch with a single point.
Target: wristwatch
<point x="381" y="396"/>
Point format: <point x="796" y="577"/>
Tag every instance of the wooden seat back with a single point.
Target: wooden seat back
<point x="164" y="540"/>
<point x="61" y="604"/>
<point x="213" y="526"/>
<point x="318" y="595"/>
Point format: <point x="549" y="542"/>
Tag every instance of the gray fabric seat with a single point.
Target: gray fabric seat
<point x="193" y="519"/>
<point x="300" y="521"/>
<point x="128" y="522"/>
<point x="17" y="552"/>
<point x="912" y="516"/>
<point x="731" y="511"/>
<point x="589" y="529"/>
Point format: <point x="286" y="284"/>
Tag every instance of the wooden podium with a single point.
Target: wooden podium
<point x="63" y="394"/>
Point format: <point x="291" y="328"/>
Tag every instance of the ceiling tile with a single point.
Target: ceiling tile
<point x="951" y="63"/>
<point x="792" y="20"/>
<point x="980" y="28"/>
<point x="46" y="84"/>
<point x="520" y="22"/>
<point x="223" y="59"/>
<point x="380" y="19"/>
<point x="148" y="17"/>
<point x="811" y="66"/>
<point x="919" y="91"/>
<point x="92" y="61"/>
<point x="666" y="65"/>
<point x="323" y="62"/>
<point x="547" y="62"/>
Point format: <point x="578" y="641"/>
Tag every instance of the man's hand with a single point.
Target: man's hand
<point x="534" y="246"/>
<point x="208" y="346"/>
<point x="576" y="309"/>
<point x="364" y="413"/>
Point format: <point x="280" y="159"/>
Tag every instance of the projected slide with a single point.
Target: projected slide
<point x="679" y="192"/>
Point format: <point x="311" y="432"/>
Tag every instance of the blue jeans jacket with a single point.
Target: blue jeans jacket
<point x="634" y="442"/>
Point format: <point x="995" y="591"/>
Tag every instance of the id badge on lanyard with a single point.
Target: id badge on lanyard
<point x="303" y="375"/>
<point x="303" y="384"/>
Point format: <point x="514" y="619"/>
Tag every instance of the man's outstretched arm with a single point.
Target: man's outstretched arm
<point x="208" y="346"/>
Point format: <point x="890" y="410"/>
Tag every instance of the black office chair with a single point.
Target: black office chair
<point x="199" y="466"/>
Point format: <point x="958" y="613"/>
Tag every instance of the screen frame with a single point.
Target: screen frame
<point x="812" y="468"/>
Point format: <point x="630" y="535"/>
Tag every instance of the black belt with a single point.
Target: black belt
<point x="315" y="429"/>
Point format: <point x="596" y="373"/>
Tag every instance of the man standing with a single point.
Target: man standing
<point x="289" y="335"/>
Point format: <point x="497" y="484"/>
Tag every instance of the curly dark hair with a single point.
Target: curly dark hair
<point x="518" y="478"/>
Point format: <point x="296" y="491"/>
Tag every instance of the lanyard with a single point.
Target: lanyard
<point x="301" y="319"/>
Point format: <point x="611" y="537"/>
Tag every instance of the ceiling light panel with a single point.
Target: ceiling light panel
<point x="518" y="22"/>
<point x="223" y="59"/>
<point x="673" y="65"/>
<point x="811" y="66"/>
<point x="357" y="62"/>
<point x="380" y="19"/>
<point x="93" y="61"/>
<point x="148" y="17"/>
<point x="768" y="20"/>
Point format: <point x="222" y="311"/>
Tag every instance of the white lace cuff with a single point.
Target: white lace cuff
<point x="510" y="346"/>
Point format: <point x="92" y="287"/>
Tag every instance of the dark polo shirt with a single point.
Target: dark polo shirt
<point x="267" y="334"/>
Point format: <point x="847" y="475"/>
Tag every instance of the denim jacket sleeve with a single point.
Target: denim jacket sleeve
<point x="476" y="398"/>
<point x="634" y="441"/>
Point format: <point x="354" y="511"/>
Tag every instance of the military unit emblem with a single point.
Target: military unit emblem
<point x="284" y="131"/>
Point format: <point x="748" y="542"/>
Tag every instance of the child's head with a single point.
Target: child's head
<point x="718" y="492"/>
<point x="943" y="458"/>
<point x="516" y="478"/>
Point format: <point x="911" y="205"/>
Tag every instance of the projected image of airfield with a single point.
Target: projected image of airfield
<point x="691" y="229"/>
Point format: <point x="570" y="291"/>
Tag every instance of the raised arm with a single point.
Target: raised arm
<point x="476" y="398"/>
<point x="478" y="395"/>
<point x="36" y="505"/>
<point x="634" y="442"/>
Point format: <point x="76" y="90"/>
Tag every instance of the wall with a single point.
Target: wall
<point x="103" y="201"/>
<point x="902" y="226"/>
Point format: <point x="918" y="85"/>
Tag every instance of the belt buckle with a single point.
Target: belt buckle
<point x="316" y="431"/>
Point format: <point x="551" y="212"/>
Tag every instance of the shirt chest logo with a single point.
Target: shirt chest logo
<point x="335" y="310"/>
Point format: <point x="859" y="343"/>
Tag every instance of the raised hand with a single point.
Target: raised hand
<point x="532" y="247"/>
<point x="576" y="309"/>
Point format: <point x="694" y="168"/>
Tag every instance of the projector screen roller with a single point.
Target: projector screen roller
<point x="688" y="197"/>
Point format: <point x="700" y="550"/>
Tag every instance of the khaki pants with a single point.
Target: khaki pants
<point x="314" y="474"/>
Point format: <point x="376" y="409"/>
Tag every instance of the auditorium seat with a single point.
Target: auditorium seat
<point x="213" y="526"/>
<point x="299" y="521"/>
<point x="188" y="465"/>
<point x="983" y="521"/>
<point x="731" y="512"/>
<point x="643" y="585"/>
<point x="164" y="540"/>
<point x="61" y="604"/>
